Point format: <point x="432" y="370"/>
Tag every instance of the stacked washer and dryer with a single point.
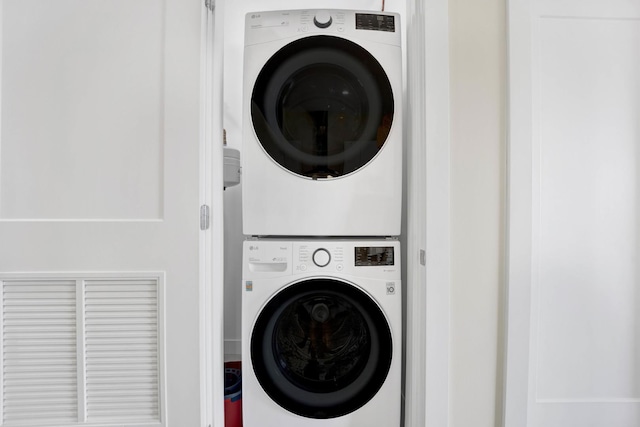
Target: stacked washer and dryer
<point x="322" y="198"/>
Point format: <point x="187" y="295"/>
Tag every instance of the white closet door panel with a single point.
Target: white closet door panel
<point x="82" y="109"/>
<point x="589" y="215"/>
<point x="574" y="323"/>
<point x="99" y="182"/>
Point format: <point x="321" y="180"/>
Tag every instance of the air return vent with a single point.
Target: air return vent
<point x="82" y="350"/>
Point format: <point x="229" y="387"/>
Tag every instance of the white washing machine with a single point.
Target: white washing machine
<point x="322" y="124"/>
<point x="321" y="333"/>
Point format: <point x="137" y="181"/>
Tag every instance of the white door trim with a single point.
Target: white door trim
<point x="428" y="287"/>
<point x="212" y="239"/>
<point x="519" y="212"/>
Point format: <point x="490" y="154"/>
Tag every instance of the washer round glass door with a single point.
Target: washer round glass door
<point x="321" y="348"/>
<point x="322" y="107"/>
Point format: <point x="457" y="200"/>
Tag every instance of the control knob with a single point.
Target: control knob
<point x="322" y="20"/>
<point x="321" y="257"/>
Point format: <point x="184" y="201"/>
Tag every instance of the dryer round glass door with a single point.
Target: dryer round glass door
<point x="322" y="107"/>
<point x="321" y="348"/>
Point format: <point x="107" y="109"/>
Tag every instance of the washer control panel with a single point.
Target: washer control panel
<point x="348" y="257"/>
<point x="376" y="259"/>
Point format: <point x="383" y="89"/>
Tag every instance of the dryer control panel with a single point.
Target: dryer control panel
<point x="265" y="26"/>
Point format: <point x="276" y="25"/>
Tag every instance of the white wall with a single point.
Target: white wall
<point x="478" y="124"/>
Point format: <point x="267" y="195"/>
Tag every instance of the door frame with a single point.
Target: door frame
<point x="519" y="239"/>
<point x="519" y="219"/>
<point x="428" y="278"/>
<point x="212" y="216"/>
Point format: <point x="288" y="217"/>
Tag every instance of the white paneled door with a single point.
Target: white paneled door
<point x="573" y="355"/>
<point x="99" y="212"/>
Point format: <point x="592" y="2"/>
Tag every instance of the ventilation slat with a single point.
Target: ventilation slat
<point x="122" y="369"/>
<point x="122" y="394"/>
<point x="41" y="395"/>
<point x="41" y="340"/>
<point x="44" y="416"/>
<point x="141" y="415"/>
<point x="129" y="293"/>
<point x="55" y="402"/>
<point x="97" y="308"/>
<point x="34" y="350"/>
<point x="17" y="370"/>
<point x="53" y="388"/>
<point x="100" y="334"/>
<point x="133" y="344"/>
<point x="121" y="283"/>
<point x="119" y="382"/>
<point x="100" y="388"/>
<point x="125" y="322"/>
<point x="42" y="357"/>
<point x="40" y="317"/>
<point x="38" y="363"/>
<point x="49" y="294"/>
<point x="50" y="324"/>
<point x="121" y="328"/>
<point x="139" y="338"/>
<point x="19" y="286"/>
<point x="131" y="316"/>
<point x="60" y="373"/>
<point x="99" y="362"/>
<point x="37" y="334"/>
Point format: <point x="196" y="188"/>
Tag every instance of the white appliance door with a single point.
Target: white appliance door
<point x="322" y="106"/>
<point x="321" y="348"/>
<point x="99" y="214"/>
<point x="574" y="226"/>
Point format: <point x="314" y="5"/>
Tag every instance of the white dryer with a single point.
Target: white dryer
<point x="321" y="333"/>
<point x="322" y="123"/>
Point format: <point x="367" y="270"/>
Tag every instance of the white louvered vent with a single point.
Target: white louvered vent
<point x="81" y="349"/>
<point x="39" y="352"/>
<point x="122" y="351"/>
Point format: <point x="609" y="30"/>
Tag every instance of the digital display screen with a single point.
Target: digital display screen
<point x="369" y="21"/>
<point x="367" y="256"/>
